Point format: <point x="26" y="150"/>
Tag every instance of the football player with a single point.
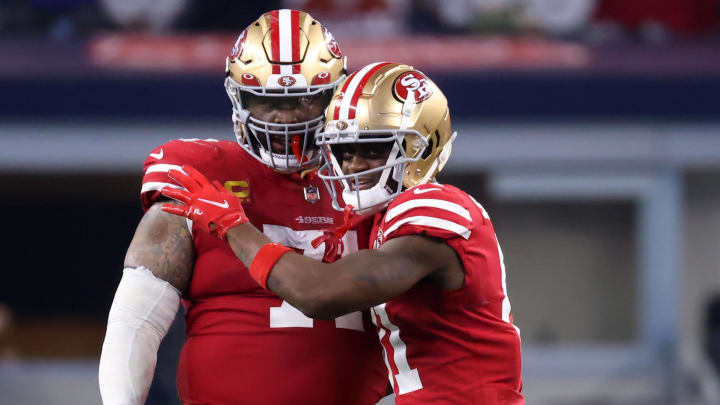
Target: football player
<point x="435" y="281"/>
<point x="244" y="344"/>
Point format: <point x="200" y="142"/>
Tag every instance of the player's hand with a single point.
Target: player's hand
<point x="333" y="246"/>
<point x="332" y="238"/>
<point x="209" y="205"/>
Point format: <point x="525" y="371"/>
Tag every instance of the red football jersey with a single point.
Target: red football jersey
<point x="244" y="344"/>
<point x="449" y="346"/>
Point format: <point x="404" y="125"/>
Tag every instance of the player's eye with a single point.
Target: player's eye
<point x="258" y="102"/>
<point x="348" y="154"/>
<point x="377" y="151"/>
<point x="344" y="152"/>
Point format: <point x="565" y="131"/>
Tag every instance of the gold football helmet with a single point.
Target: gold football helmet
<point x="285" y="53"/>
<point x="396" y="105"/>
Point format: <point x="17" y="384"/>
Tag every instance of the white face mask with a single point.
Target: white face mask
<point x="253" y="134"/>
<point x="380" y="194"/>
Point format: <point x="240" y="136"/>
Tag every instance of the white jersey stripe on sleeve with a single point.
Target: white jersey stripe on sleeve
<point x="163" y="168"/>
<point x="285" y="28"/>
<point x="430" y="203"/>
<point x="506" y="299"/>
<point x="431" y="222"/>
<point x="484" y="213"/>
<point x="156" y="186"/>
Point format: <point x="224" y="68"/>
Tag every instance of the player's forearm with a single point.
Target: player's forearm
<point x="293" y="277"/>
<point x="329" y="290"/>
<point x="323" y="290"/>
<point x="245" y="241"/>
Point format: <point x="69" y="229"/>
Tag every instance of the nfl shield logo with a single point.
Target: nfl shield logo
<point x="312" y="195"/>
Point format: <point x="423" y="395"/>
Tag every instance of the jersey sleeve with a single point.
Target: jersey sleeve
<point x="171" y="155"/>
<point x="430" y="210"/>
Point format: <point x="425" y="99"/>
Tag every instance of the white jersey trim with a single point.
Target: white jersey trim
<point x="431" y="222"/>
<point x="163" y="168"/>
<point x="484" y="213"/>
<point x="156" y="186"/>
<point x="430" y="203"/>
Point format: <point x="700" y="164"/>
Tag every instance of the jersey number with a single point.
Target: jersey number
<point x="287" y="316"/>
<point x="408" y="380"/>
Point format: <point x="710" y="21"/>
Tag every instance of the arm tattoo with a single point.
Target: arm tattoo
<point x="163" y="244"/>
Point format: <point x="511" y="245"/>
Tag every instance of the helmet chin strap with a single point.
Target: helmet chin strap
<point x="407" y="109"/>
<point x="367" y="201"/>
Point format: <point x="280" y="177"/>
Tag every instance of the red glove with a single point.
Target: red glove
<point x="205" y="203"/>
<point x="332" y="238"/>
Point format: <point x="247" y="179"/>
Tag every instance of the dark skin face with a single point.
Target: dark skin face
<point x="359" y="157"/>
<point x="286" y="110"/>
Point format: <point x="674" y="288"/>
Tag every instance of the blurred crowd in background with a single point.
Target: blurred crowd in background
<point x="586" y="20"/>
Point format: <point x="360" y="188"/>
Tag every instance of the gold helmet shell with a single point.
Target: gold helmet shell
<point x="284" y="53"/>
<point x="388" y="102"/>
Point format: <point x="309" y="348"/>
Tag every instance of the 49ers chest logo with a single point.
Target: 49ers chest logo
<point x="286" y="81"/>
<point x="415" y="81"/>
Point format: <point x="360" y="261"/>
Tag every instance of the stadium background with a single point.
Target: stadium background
<point x="590" y="129"/>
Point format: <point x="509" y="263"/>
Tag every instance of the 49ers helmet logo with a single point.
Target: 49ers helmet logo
<point x="332" y="44"/>
<point x="286" y="81"/>
<point x="415" y="81"/>
<point x="238" y="47"/>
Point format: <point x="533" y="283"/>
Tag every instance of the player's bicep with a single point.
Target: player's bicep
<point x="408" y="259"/>
<point x="163" y="244"/>
<point x="392" y="269"/>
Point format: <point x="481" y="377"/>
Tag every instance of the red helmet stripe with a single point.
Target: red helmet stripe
<point x="336" y="113"/>
<point x="352" y="90"/>
<point x="275" y="38"/>
<point x="295" y="17"/>
<point x="360" y="87"/>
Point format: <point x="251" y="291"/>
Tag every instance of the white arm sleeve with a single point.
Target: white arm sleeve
<point x="140" y="316"/>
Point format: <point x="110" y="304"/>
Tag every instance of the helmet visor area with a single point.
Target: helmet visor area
<point x="374" y="149"/>
<point x="277" y="121"/>
<point x="305" y="104"/>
